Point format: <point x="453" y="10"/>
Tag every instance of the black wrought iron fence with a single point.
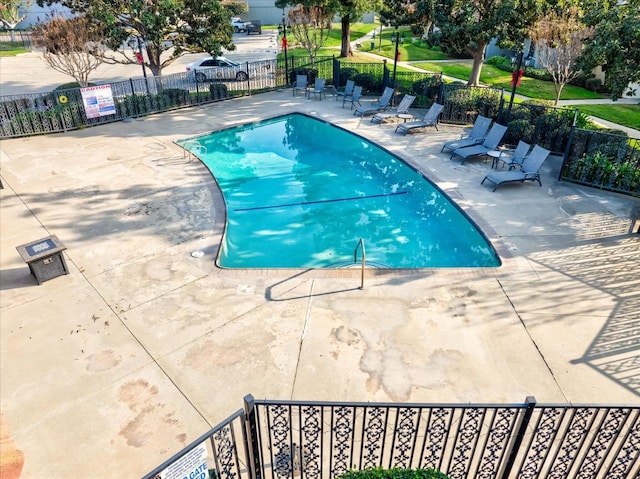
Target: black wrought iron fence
<point x="426" y="87"/>
<point x="603" y="160"/>
<point x="322" y="67"/>
<point x="322" y="440"/>
<point x="372" y="77"/>
<point x="542" y="125"/>
<point x="63" y="110"/>
<point x="463" y="103"/>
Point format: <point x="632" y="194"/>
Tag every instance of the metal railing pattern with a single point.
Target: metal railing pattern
<point x="603" y="160"/>
<point x="322" y="440"/>
<point x="226" y="450"/>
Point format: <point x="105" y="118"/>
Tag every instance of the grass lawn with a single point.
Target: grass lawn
<point x="9" y="49"/>
<point x="627" y="115"/>
<point x="492" y="76"/>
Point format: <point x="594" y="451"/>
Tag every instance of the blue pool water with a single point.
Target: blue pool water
<point x="300" y="193"/>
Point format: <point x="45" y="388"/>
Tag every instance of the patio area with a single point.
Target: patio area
<point x="143" y="347"/>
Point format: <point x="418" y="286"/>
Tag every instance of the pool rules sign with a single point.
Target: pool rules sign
<point x="98" y="101"/>
<point x="193" y="465"/>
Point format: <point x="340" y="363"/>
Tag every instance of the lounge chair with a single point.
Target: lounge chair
<point x="401" y="109"/>
<point x="475" y="136"/>
<point x="318" y="88"/>
<point x="491" y="142"/>
<point x="384" y="103"/>
<point x="300" y="84"/>
<point x="513" y="158"/>
<point x="430" y="119"/>
<point x="348" y="90"/>
<point x="528" y="170"/>
<point x="354" y="98"/>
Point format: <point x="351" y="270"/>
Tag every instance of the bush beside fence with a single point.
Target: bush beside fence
<point x="603" y="160"/>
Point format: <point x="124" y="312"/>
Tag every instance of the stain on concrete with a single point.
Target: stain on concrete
<point x="141" y="398"/>
<point x="346" y="335"/>
<point x="245" y="347"/>
<point x="102" y="361"/>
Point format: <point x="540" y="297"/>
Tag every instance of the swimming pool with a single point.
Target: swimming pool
<point x="301" y="193"/>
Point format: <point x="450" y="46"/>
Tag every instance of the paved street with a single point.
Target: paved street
<point x="29" y="73"/>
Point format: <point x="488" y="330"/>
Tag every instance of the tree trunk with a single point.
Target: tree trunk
<point x="559" y="88"/>
<point x="478" y="58"/>
<point x="345" y="49"/>
<point x="154" y="63"/>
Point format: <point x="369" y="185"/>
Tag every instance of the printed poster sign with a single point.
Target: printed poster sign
<point x="193" y="465"/>
<point x="98" y="101"/>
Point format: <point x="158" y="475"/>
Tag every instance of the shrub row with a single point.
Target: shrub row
<point x="395" y="473"/>
<point x="605" y="159"/>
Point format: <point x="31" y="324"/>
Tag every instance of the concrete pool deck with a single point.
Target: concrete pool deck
<point x="143" y="347"/>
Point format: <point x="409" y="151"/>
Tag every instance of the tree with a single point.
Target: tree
<point x="165" y="27"/>
<point x="402" y="12"/>
<point x="469" y="25"/>
<point x="235" y="7"/>
<point x="559" y="38"/>
<point x="310" y="26"/>
<point x="615" y="43"/>
<point x="71" y="46"/>
<point x="351" y="11"/>
<point x="10" y="14"/>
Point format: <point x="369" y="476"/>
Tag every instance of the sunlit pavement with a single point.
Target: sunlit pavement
<point x="143" y="347"/>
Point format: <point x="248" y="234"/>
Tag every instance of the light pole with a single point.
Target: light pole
<point x="141" y="58"/>
<point x="395" y="58"/>
<point x="284" y="47"/>
<point x="516" y="76"/>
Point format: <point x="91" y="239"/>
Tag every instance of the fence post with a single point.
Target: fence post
<point x="567" y="149"/>
<point x="530" y="402"/>
<point x="336" y="72"/>
<point x="441" y="91"/>
<point x="251" y="427"/>
<point x="501" y="107"/>
<point x="248" y="79"/>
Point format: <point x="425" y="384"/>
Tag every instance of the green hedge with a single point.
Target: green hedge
<point x="395" y="473"/>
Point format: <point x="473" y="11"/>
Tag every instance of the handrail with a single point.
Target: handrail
<point x="355" y="258"/>
<point x="191" y="148"/>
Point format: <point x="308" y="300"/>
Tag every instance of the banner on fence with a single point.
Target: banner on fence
<point x="98" y="101"/>
<point x="193" y="465"/>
